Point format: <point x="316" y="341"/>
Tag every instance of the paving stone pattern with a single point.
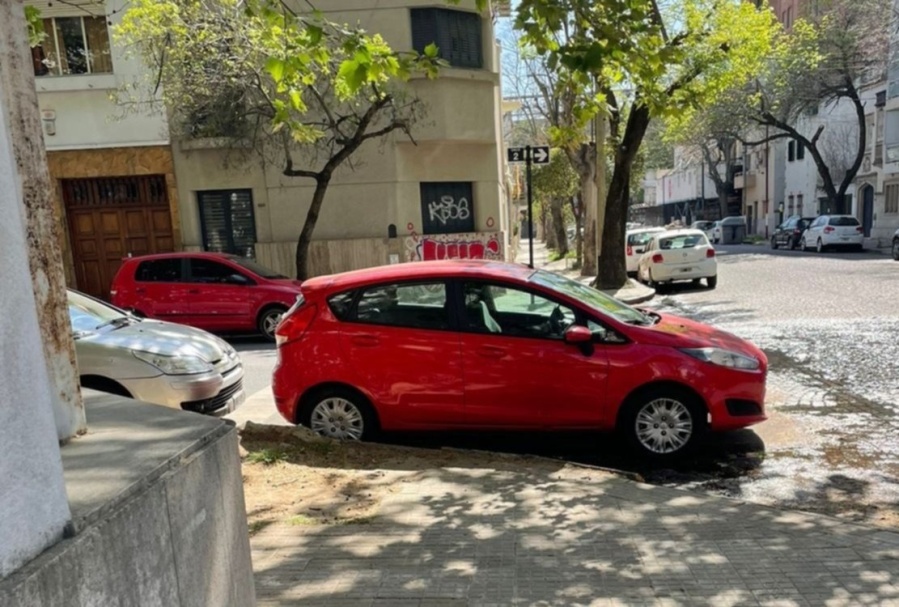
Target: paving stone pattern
<point x="558" y="535"/>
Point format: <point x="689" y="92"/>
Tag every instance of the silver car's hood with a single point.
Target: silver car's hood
<point x="162" y="338"/>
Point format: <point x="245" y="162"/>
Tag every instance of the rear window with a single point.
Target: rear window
<point x="640" y="238"/>
<point x="683" y="241"/>
<point x="159" y="270"/>
<point x="843" y="221"/>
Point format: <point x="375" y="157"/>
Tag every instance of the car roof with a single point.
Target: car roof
<point x="419" y="270"/>
<point x="182" y="254"/>
<point x="639" y="230"/>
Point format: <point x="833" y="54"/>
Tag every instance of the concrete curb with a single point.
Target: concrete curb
<point x="637" y="299"/>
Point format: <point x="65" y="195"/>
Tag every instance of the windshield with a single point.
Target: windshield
<point x="88" y="314"/>
<point x="255" y="268"/>
<point x="640" y="238"/>
<point x="589" y="296"/>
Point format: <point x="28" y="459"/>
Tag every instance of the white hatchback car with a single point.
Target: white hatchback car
<point x="635" y="243"/>
<point x="829" y="231"/>
<point x="676" y="255"/>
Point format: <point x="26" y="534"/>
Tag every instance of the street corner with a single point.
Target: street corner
<point x="632" y="293"/>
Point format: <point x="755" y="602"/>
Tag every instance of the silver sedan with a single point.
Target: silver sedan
<point x="153" y="361"/>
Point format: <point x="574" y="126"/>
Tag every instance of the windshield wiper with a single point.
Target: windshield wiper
<point x="120" y="321"/>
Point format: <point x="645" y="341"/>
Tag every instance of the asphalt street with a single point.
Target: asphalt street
<point x="829" y="324"/>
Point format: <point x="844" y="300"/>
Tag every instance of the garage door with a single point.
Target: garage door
<point x="110" y="218"/>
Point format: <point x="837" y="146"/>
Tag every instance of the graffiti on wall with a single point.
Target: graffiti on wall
<point x="472" y="245"/>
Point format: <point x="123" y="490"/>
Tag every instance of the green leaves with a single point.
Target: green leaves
<point x="431" y="51"/>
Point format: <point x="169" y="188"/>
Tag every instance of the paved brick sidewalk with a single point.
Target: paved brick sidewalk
<point x="559" y="535"/>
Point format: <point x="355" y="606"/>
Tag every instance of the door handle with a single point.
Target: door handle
<point x="491" y="351"/>
<point x="366" y="341"/>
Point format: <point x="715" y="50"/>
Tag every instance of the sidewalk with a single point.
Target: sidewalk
<point x="545" y="533"/>
<point x="634" y="293"/>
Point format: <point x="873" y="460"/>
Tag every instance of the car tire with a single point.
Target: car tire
<point x="793" y="244"/>
<point x="803" y="246"/>
<point x="712" y="281"/>
<point x="268" y="321"/>
<point x="340" y="413"/>
<point x="896" y="249"/>
<point x="643" y="419"/>
<point x="774" y="243"/>
<point x="697" y="282"/>
<point x="819" y="247"/>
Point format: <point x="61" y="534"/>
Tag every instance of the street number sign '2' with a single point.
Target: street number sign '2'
<point x="539" y="154"/>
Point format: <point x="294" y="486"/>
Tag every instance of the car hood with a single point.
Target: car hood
<point x="164" y="338"/>
<point x="678" y="332"/>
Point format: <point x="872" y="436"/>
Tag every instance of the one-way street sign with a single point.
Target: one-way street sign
<point x="539" y="154"/>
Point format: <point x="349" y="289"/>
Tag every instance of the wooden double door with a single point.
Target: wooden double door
<point x="110" y="218"/>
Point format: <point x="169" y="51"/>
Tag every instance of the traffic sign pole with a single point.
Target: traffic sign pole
<point x="527" y="156"/>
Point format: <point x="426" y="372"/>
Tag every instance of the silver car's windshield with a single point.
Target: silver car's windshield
<point x="591" y="297"/>
<point x="88" y="314"/>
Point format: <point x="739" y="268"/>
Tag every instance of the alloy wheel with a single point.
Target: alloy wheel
<point x="663" y="426"/>
<point x="337" y="418"/>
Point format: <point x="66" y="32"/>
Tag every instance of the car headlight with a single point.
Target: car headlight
<point x="724" y="358"/>
<point x="174" y="365"/>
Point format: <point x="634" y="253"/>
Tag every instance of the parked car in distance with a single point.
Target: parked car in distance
<point x="896" y="245"/>
<point x="714" y="233"/>
<point x="210" y="291"/>
<point x="676" y="255"/>
<point x="635" y="243"/>
<point x="153" y="361"/>
<point x="789" y="233"/>
<point x="485" y="345"/>
<point x="830" y="231"/>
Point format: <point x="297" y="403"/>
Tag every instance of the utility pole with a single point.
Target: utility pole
<point x="19" y="101"/>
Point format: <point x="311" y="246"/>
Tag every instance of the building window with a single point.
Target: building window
<point x="791" y="151"/>
<point x="227" y="221"/>
<point x="790" y="200"/>
<point x="73" y="45"/>
<point x="799" y="204"/>
<point x="447" y="207"/>
<point x="891" y="198"/>
<point x="457" y="35"/>
<point x="800" y="150"/>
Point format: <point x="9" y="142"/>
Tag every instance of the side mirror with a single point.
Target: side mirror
<point x="578" y="335"/>
<point x="238" y="279"/>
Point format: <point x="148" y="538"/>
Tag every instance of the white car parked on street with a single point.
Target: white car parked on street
<point x="896" y="245"/>
<point x="635" y="243"/>
<point x="676" y="255"/>
<point x="833" y="231"/>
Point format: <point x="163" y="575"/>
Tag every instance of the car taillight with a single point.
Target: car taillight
<point x="860" y="229"/>
<point x="657" y="258"/>
<point x="710" y="252"/>
<point x="630" y="251"/>
<point x="828" y="230"/>
<point x="294" y="324"/>
<point x="797" y="231"/>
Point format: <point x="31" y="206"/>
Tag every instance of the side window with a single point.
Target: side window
<point x="210" y="272"/>
<point x="513" y="312"/>
<point x="342" y="304"/>
<point x="416" y="306"/>
<point x="159" y="270"/>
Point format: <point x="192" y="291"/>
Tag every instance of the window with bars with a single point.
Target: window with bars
<point x="73" y="45"/>
<point x="228" y="222"/>
<point x="891" y="198"/>
<point x="457" y="35"/>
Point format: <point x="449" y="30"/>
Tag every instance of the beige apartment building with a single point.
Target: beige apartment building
<point x="442" y="195"/>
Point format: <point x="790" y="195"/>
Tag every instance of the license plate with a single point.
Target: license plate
<point x="686" y="269"/>
<point x="844" y="238"/>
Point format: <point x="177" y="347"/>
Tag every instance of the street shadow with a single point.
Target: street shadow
<point x="538" y="533"/>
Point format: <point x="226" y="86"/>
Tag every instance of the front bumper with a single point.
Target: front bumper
<point x="211" y="393"/>
<point x="740" y="404"/>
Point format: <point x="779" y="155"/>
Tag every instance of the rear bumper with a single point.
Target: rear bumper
<point x="850" y="241"/>
<point x="702" y="269"/>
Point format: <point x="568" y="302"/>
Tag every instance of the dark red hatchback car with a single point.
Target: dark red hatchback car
<point x="486" y="345"/>
<point x="211" y="291"/>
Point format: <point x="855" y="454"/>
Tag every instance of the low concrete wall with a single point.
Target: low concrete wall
<point x="158" y="516"/>
<point x="325" y="256"/>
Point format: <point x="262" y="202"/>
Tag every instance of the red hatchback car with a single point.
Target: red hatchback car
<point x="487" y="345"/>
<point x="211" y="291"/>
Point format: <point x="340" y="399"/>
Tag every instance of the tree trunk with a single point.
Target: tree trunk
<point x="588" y="197"/>
<point x="560" y="236"/>
<point x="612" y="273"/>
<point x="578" y="227"/>
<point x="318" y="197"/>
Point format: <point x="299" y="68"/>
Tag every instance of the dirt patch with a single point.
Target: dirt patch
<point x="293" y="476"/>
